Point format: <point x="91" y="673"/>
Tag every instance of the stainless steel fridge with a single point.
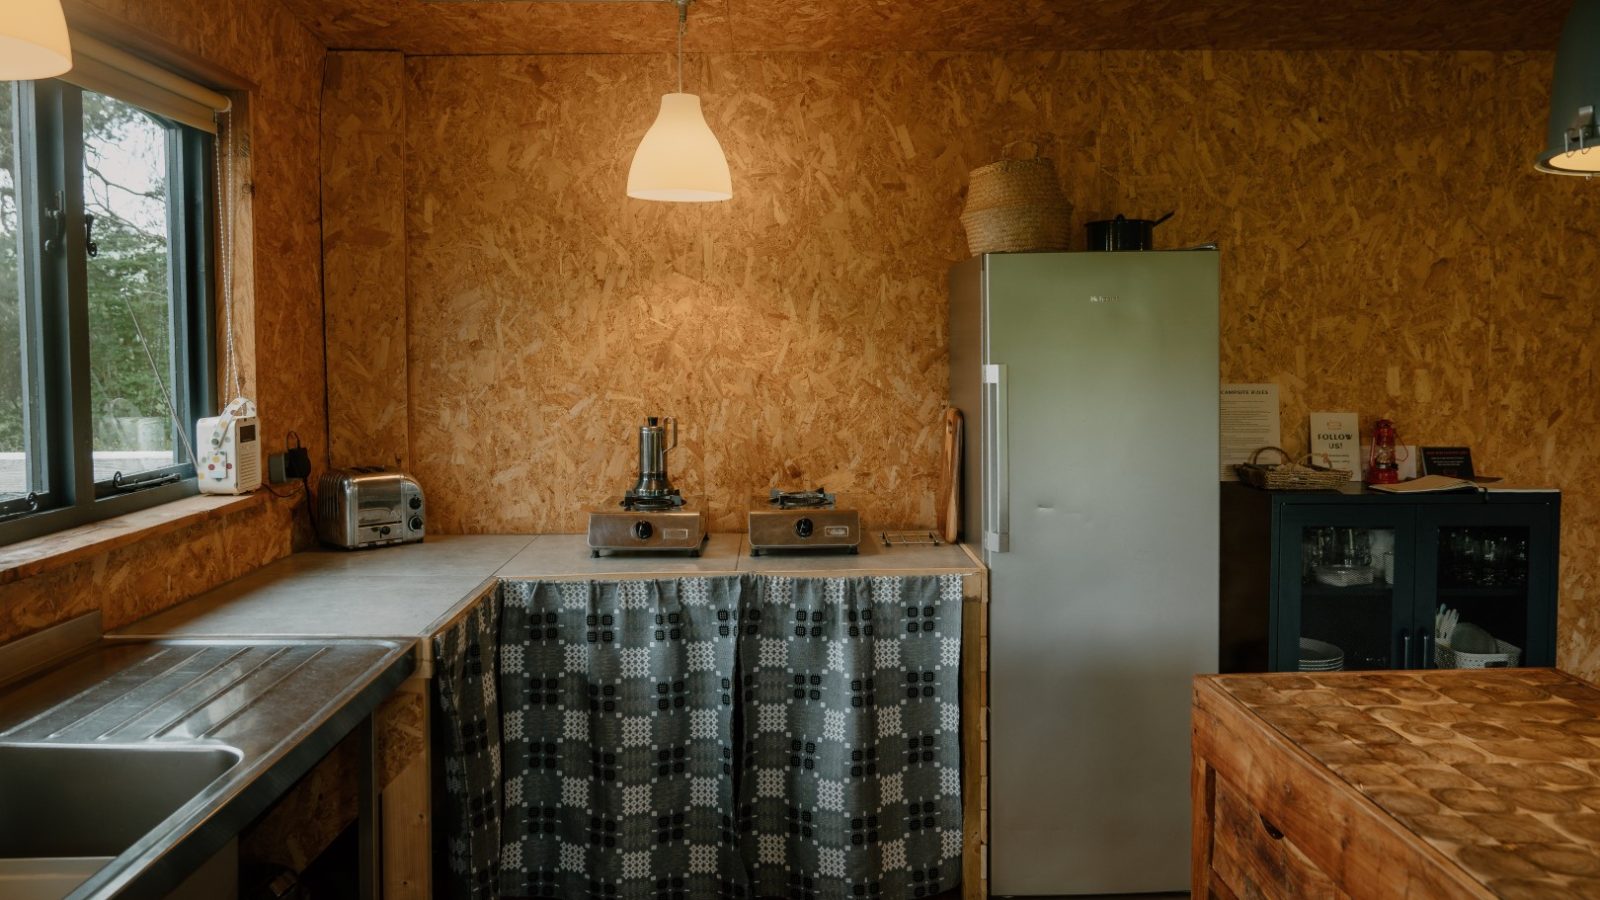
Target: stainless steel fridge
<point x="1089" y="382"/>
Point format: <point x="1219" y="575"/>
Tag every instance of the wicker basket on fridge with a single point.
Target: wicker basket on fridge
<point x="1016" y="205"/>
<point x="1288" y="475"/>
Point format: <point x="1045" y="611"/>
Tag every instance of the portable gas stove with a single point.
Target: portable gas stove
<point x="802" y="520"/>
<point x="652" y="516"/>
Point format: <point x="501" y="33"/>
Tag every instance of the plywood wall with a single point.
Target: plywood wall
<point x="281" y="316"/>
<point x="1387" y="248"/>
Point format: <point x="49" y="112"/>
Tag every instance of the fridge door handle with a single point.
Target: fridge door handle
<point x="997" y="474"/>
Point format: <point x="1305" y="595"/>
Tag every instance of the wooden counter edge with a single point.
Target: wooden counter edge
<point x="1355" y="841"/>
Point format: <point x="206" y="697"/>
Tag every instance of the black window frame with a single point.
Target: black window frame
<point x="49" y="131"/>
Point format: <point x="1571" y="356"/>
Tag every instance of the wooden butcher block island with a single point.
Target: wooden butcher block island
<point x="1433" y="783"/>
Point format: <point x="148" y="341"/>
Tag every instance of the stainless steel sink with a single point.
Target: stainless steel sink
<point x="59" y="800"/>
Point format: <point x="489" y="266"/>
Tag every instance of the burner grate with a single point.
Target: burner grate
<point x="814" y="499"/>
<point x="652" y="504"/>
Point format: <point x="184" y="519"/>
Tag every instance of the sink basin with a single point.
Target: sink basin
<point x="59" y="800"/>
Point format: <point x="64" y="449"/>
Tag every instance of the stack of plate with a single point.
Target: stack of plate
<point x="1320" y="656"/>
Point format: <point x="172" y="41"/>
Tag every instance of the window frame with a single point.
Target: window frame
<point x="55" y="290"/>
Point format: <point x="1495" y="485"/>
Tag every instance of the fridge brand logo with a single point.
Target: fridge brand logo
<point x="1103" y="298"/>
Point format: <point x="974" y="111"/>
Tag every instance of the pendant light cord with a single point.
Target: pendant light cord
<point x="683" y="28"/>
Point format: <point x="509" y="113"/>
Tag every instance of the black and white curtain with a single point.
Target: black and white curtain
<point x="466" y="724"/>
<point x="621" y="706"/>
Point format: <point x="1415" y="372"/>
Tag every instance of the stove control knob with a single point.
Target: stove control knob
<point x="804" y="527"/>
<point x="642" y="530"/>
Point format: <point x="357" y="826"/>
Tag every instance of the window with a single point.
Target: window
<point x="106" y="211"/>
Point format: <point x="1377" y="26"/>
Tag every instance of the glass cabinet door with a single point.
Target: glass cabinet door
<point x="1345" y="590"/>
<point x="1481" y="568"/>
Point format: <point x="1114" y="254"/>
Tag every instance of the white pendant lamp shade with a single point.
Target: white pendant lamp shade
<point x="33" y="40"/>
<point x="680" y="160"/>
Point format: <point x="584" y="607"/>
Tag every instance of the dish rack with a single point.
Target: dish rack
<point x="1506" y="656"/>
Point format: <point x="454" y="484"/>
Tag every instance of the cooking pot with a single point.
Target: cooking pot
<point x="1123" y="233"/>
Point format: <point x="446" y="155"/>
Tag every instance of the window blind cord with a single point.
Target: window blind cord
<point x="224" y="175"/>
<point x="166" y="396"/>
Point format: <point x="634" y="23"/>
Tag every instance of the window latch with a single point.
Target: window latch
<point x="89" y="245"/>
<point x="22" y="506"/>
<point x="55" y="224"/>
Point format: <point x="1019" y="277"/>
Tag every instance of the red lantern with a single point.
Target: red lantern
<point x="1385" y="467"/>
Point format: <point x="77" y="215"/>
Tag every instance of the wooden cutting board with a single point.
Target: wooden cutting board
<point x="948" y="501"/>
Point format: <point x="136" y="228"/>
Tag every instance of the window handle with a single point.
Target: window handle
<point x="55" y="224"/>
<point x="89" y="245"/>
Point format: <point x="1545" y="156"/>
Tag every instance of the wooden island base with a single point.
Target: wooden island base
<point x="1396" y="784"/>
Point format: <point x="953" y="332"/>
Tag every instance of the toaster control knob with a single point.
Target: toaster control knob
<point x="416" y="502"/>
<point x="383" y="530"/>
<point x="804" y="527"/>
<point x="642" y="530"/>
<point x="416" y="523"/>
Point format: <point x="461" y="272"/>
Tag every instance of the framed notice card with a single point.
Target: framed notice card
<point x="1249" y="422"/>
<point x="1336" y="441"/>
<point x="1453" y="461"/>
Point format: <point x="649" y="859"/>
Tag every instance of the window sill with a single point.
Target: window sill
<point x="36" y="556"/>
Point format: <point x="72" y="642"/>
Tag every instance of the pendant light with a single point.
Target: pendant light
<point x="33" y="40"/>
<point x="1573" y="140"/>
<point x="680" y="160"/>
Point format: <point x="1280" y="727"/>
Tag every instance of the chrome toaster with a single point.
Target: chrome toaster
<point x="369" y="506"/>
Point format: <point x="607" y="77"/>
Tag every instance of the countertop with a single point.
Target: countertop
<point x="413" y="590"/>
<point x="1496" y="770"/>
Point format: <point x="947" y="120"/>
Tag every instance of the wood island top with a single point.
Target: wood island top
<point x="1496" y="770"/>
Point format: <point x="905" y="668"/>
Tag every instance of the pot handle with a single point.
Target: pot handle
<point x="1163" y="218"/>
<point x="1030" y="150"/>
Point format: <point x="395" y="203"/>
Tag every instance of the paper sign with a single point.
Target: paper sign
<point x="1249" y="422"/>
<point x="1336" y="441"/>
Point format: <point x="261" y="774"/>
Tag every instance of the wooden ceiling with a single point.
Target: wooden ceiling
<point x="521" y="26"/>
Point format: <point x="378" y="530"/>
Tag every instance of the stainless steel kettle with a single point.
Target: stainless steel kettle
<point x="657" y="437"/>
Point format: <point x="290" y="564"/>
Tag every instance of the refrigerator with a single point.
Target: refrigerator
<point x="1089" y="382"/>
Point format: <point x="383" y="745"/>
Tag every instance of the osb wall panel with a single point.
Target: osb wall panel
<point x="510" y="26"/>
<point x="1376" y="263"/>
<point x="1387" y="248"/>
<point x="363" y="251"/>
<point x="259" y="42"/>
<point x="797" y="332"/>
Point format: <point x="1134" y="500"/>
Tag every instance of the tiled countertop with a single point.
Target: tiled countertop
<point x="413" y="590"/>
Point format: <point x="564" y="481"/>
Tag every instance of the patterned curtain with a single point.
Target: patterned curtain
<point x="851" y="779"/>
<point x="618" y="735"/>
<point x="617" y="720"/>
<point x="467" y="725"/>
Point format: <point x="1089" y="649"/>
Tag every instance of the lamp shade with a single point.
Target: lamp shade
<point x="33" y="40"/>
<point x="680" y="160"/>
<point x="1572" y="145"/>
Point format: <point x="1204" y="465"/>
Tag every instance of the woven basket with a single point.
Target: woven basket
<point x="1289" y="476"/>
<point x="1016" y="205"/>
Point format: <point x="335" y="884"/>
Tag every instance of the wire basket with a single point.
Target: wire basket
<point x="1509" y="656"/>
<point x="1016" y="205"/>
<point x="1288" y="475"/>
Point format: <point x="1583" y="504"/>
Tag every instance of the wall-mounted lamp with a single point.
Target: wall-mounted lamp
<point x="33" y="40"/>
<point x="1572" y="146"/>
<point x="680" y="160"/>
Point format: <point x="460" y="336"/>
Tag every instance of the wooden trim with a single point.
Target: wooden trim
<point x="975" y="735"/>
<point x="60" y="549"/>
<point x="408" y="816"/>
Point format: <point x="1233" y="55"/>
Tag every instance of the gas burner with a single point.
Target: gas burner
<point x="814" y="499"/>
<point x="646" y="504"/>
